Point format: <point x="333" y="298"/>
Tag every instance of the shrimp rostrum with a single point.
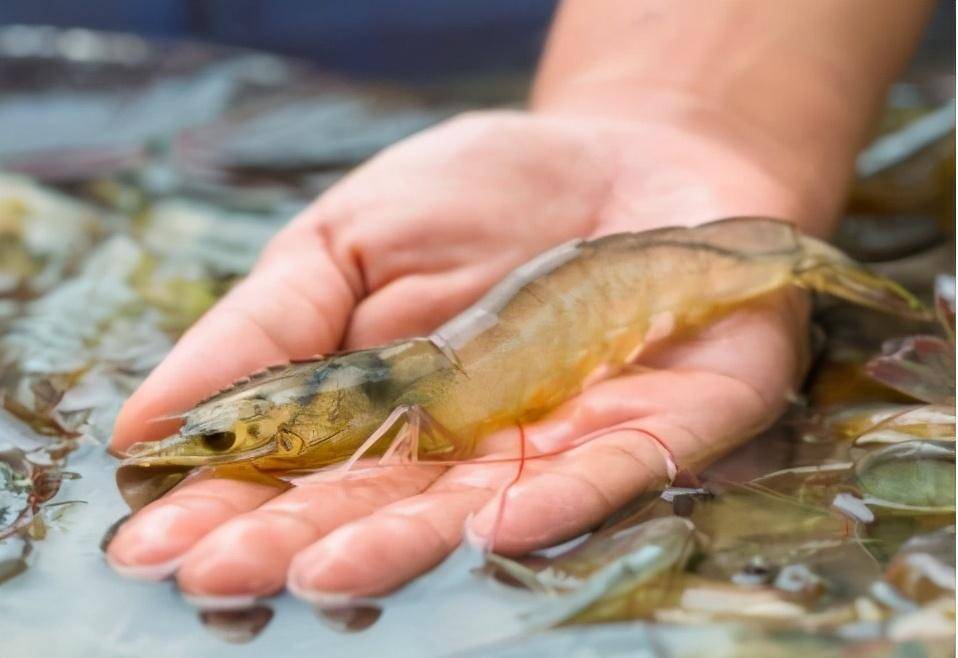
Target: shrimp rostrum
<point x="534" y="341"/>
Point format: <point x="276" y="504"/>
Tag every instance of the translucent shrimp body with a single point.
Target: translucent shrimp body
<point x="579" y="312"/>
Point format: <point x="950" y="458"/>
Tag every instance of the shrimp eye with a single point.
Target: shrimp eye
<point x="220" y="441"/>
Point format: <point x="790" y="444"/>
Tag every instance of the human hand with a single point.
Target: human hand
<point x="403" y="244"/>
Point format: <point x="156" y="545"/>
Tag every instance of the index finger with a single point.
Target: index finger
<point x="294" y="305"/>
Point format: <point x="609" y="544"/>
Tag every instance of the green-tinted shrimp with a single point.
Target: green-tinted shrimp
<point x="579" y="312"/>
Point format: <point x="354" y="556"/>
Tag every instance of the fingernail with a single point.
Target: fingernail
<point x="214" y="602"/>
<point x="473" y="538"/>
<point x="326" y="600"/>
<point x="148" y="572"/>
<point x="297" y="585"/>
<point x="352" y="619"/>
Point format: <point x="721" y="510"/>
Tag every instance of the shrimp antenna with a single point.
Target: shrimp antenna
<point x="490" y="542"/>
<point x="487" y="544"/>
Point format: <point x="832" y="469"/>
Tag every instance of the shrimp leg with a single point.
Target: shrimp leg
<point x="413" y="422"/>
<point x="407" y="439"/>
<point x="398" y="415"/>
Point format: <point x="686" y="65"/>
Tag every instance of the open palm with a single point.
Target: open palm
<point x="403" y="244"/>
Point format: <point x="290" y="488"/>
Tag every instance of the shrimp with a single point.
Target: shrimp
<point x="577" y="313"/>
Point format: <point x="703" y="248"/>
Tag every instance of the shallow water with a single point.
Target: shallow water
<point x="70" y="603"/>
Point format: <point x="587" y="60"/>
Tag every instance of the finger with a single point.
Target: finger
<point x="573" y="491"/>
<point x="149" y="545"/>
<point x="288" y="308"/>
<point x="416" y="305"/>
<point x="764" y="344"/>
<point x="249" y="555"/>
<point x="380" y="552"/>
<point x="685" y="420"/>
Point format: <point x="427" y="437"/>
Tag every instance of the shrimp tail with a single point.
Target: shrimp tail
<point x="824" y="268"/>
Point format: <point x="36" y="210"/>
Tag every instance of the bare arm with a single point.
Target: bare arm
<point x="795" y="84"/>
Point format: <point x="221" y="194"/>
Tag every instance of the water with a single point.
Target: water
<point x="70" y="603"/>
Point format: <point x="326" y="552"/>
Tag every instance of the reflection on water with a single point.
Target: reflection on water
<point x="236" y="626"/>
<point x="111" y="532"/>
<point x="14" y="552"/>
<point x="350" y="620"/>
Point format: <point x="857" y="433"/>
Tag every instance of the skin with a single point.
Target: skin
<point x="760" y="113"/>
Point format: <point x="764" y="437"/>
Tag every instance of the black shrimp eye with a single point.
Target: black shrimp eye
<point x="220" y="441"/>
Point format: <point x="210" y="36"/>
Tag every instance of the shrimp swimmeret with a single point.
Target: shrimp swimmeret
<point x="534" y="341"/>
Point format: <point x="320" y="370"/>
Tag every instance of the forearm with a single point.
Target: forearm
<point x="797" y="84"/>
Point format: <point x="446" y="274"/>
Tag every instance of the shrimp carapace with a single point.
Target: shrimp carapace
<point x="535" y="340"/>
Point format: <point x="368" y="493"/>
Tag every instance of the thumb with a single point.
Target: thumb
<point x="294" y="305"/>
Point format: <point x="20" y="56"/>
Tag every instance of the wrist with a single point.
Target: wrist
<point x="753" y="171"/>
<point x="794" y="88"/>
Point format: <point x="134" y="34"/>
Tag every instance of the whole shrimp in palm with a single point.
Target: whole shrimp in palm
<point x="572" y="316"/>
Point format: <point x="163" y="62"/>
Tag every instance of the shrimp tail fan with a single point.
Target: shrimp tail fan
<point x="824" y="268"/>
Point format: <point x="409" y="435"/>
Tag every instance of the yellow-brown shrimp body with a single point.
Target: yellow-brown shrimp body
<point x="580" y="311"/>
